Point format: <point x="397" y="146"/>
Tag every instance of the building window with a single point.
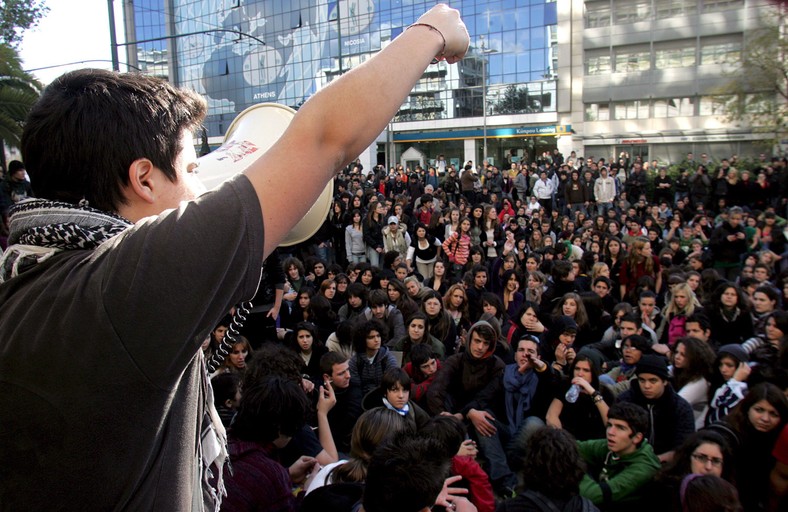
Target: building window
<point x="713" y="105"/>
<point x="676" y="55"/>
<point x="673" y="8"/>
<point x="631" y="12"/>
<point x="597" y="112"/>
<point x="597" y="14"/>
<point x="721" y="5"/>
<point x="598" y="64"/>
<point x="674" y="107"/>
<point x="714" y="51"/>
<point x="629" y="60"/>
<point x="637" y="109"/>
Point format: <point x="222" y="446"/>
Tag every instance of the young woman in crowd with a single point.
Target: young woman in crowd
<point x="235" y="362"/>
<point x="440" y="323"/>
<point x="424" y="251"/>
<point x="439" y="281"/>
<point x="614" y="257"/>
<point x="535" y="286"/>
<point x="455" y="303"/>
<point x="525" y="323"/>
<point x="703" y="453"/>
<point x="729" y="314"/>
<point x="751" y="431"/>
<point x="586" y="417"/>
<point x="305" y="341"/>
<point x="571" y="305"/>
<point x="639" y="262"/>
<point x="373" y="233"/>
<point x="372" y="428"/>
<point x="510" y="295"/>
<point x="682" y="305"/>
<point x="457" y="248"/>
<point x="417" y="334"/>
<point x="398" y="296"/>
<point x="491" y="237"/>
<point x="693" y="362"/>
<point x="765" y="300"/>
<point x="452" y="222"/>
<point x="355" y="248"/>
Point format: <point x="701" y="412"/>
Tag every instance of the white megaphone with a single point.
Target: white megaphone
<point x="250" y="135"/>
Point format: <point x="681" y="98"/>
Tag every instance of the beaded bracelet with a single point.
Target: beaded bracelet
<point x="431" y="27"/>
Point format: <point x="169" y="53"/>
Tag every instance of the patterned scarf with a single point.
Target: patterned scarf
<point x="39" y="229"/>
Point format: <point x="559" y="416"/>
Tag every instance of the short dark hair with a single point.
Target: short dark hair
<point x="632" y="317"/>
<point x="225" y="386"/>
<point x="378" y="298"/>
<point x="552" y="464"/>
<point x="394" y="376"/>
<point x="634" y="415"/>
<point x="329" y="359"/>
<point x="700" y="319"/>
<point x="271" y="407"/>
<point x="448" y="431"/>
<point x="405" y="475"/>
<point x="357" y="289"/>
<point x="89" y="125"/>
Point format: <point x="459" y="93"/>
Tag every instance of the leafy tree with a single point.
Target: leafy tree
<point x="18" y="92"/>
<point x="756" y="93"/>
<point x="17" y="16"/>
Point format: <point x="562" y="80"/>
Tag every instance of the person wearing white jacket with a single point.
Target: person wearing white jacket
<point x="604" y="192"/>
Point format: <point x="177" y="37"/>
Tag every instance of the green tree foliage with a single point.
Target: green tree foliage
<point x="18" y="92"/>
<point x="17" y="16"/>
<point x="756" y="93"/>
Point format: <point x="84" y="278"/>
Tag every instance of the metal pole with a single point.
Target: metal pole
<point x="484" y="100"/>
<point x="113" y="40"/>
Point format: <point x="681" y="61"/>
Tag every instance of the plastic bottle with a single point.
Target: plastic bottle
<point x="572" y="394"/>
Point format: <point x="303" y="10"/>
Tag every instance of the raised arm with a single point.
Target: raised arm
<point x="325" y="138"/>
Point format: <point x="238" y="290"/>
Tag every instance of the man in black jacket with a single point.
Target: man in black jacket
<point x="670" y="417"/>
<point x="728" y="243"/>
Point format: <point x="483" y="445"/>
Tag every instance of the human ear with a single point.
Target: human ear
<point x="141" y="180"/>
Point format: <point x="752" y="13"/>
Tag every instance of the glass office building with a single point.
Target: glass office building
<point x="238" y="53"/>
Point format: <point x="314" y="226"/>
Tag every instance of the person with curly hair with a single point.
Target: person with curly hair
<point x="551" y="474"/>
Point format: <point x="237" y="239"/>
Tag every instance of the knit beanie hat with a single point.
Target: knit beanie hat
<point x="654" y="365"/>
<point x="735" y="350"/>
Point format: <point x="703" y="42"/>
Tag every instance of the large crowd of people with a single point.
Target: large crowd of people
<point x="563" y="334"/>
<point x="644" y="319"/>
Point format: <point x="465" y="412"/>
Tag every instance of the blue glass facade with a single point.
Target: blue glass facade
<point x="241" y="52"/>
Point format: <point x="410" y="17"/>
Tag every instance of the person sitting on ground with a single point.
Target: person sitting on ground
<point x="342" y="417"/>
<point x="422" y="368"/>
<point x="372" y="428"/>
<point x="372" y="358"/>
<point x="409" y="474"/>
<point x="670" y="419"/>
<point x="380" y="309"/>
<point x="619" y="466"/>
<point x="271" y="412"/>
<point x="451" y="434"/>
<point x="394" y="393"/>
<point x="226" y="396"/>
<point x="551" y="474"/>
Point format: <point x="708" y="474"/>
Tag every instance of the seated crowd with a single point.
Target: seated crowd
<point x="564" y="335"/>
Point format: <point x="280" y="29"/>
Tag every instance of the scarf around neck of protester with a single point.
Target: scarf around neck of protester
<point x="40" y="228"/>
<point x="402" y="412"/>
<point x="520" y="389"/>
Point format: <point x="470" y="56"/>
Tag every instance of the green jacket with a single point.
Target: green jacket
<point x="624" y="476"/>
